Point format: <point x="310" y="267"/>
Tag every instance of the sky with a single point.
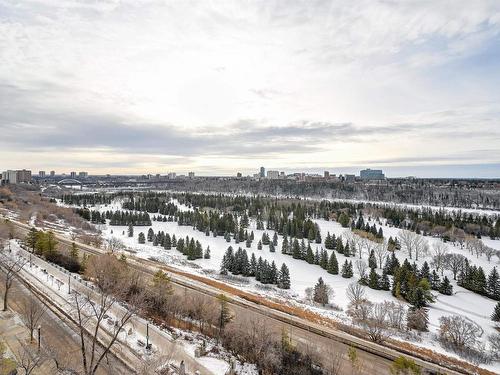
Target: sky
<point x="217" y="87"/>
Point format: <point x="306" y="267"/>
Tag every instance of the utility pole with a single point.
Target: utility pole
<point x="69" y="284"/>
<point x="39" y="338"/>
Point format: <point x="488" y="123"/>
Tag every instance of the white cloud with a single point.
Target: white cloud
<point x="202" y="65"/>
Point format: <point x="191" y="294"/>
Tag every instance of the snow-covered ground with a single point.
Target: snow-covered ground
<point x="303" y="275"/>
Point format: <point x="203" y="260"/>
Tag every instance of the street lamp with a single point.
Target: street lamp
<point x="39" y="337"/>
<point x="147" y="336"/>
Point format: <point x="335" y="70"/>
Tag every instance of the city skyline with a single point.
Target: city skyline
<point x="152" y="87"/>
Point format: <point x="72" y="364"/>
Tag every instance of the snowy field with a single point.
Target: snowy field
<point x="303" y="275"/>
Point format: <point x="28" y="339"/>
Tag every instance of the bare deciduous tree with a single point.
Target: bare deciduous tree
<point x="439" y="258"/>
<point x="355" y="293"/>
<point x="458" y="333"/>
<point x="115" y="284"/>
<point x="29" y="358"/>
<point x="454" y="262"/>
<point x="381" y="252"/>
<point x="489" y="252"/>
<point x="31" y="313"/>
<point x="413" y="243"/>
<point x="361" y="267"/>
<point x="115" y="244"/>
<point x="11" y="266"/>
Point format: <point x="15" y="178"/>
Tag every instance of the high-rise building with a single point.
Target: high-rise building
<point x="326" y="174"/>
<point x="16" y="176"/>
<point x="371" y="174"/>
<point x="41" y="174"/>
<point x="73" y="174"/>
<point x="191" y="174"/>
<point x="52" y="173"/>
<point x="83" y="174"/>
<point x="171" y="176"/>
<point x="262" y="172"/>
<point x="273" y="174"/>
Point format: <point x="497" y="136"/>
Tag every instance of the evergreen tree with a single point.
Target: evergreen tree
<point x="253" y="265"/>
<point x="284" y="277"/>
<point x="344" y="220"/>
<point x="131" y="230"/>
<point x="74" y="251"/>
<point x="272" y="248"/>
<point x="496" y="313"/>
<point x="309" y="255"/>
<point x="347" y="271"/>
<point x="479" y="281"/>
<point x="445" y="287"/>
<point x="372" y="260"/>
<point x="323" y="259"/>
<point x="328" y="241"/>
<point x="435" y="280"/>
<point x="259" y="245"/>
<point x="320" y="292"/>
<point x="151" y="234"/>
<point x="31" y="239"/>
<point x="493" y="284"/>
<point x="174" y="241"/>
<point x="385" y="284"/>
<point x="273" y="273"/>
<point x="418" y="319"/>
<point x="317" y="238"/>
<point x="167" y="242"/>
<point x="275" y="239"/>
<point x="339" y="246"/>
<point x="373" y="279"/>
<point x="142" y="238"/>
<point x="296" y="249"/>
<point x="284" y="245"/>
<point x="248" y="242"/>
<point x="425" y="271"/>
<point x="333" y="265"/>
<point x="207" y="253"/>
<point x="347" y="250"/>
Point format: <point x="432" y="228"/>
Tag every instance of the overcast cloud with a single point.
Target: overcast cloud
<point x="224" y="86"/>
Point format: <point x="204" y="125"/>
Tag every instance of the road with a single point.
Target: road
<point x="311" y="337"/>
<point x="162" y="342"/>
<point x="59" y="336"/>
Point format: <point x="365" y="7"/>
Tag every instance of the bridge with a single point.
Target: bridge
<point x="70" y="182"/>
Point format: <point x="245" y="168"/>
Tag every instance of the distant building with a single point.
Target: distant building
<point x="273" y="174"/>
<point x="52" y="173"/>
<point x="41" y="174"/>
<point x="73" y="174"/>
<point x="371" y="174"/>
<point x="262" y="172"/>
<point x="349" y="177"/>
<point x="191" y="174"/>
<point x="171" y="176"/>
<point x="238" y="174"/>
<point x="83" y="174"/>
<point x="16" y="176"/>
<point x="326" y="174"/>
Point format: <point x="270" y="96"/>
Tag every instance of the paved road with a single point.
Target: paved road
<point x="59" y="336"/>
<point x="161" y="341"/>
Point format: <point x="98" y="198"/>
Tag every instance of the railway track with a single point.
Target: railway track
<point x="178" y="277"/>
